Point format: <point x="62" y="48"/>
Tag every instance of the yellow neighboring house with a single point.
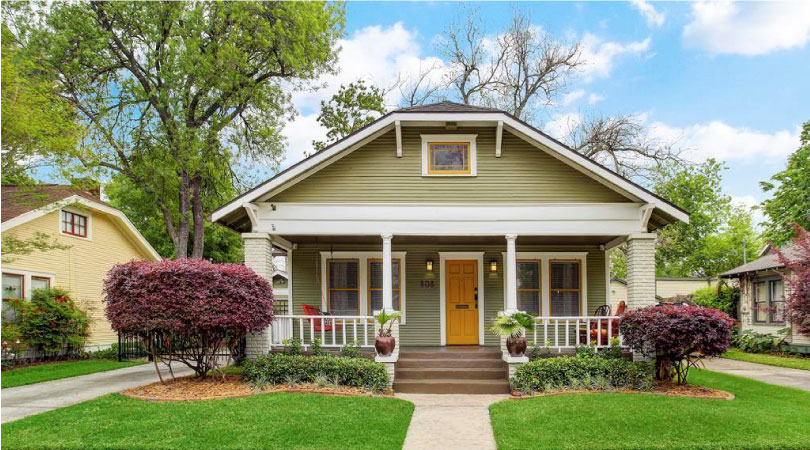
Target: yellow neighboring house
<point x="99" y="237"/>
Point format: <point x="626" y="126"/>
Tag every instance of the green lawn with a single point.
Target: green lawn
<point x="55" y="371"/>
<point x="762" y="416"/>
<point x="793" y="362"/>
<point x="282" y="421"/>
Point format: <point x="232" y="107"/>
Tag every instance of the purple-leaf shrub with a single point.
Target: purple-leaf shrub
<point x="677" y="336"/>
<point x="797" y="301"/>
<point x="188" y="310"/>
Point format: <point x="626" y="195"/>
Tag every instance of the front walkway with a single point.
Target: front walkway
<point x="448" y="421"/>
<point x="22" y="401"/>
<point x="781" y="376"/>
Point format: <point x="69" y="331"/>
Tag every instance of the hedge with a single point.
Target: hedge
<point x="582" y="372"/>
<point x="281" y="368"/>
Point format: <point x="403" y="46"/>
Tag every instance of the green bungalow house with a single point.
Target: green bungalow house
<point x="450" y="214"/>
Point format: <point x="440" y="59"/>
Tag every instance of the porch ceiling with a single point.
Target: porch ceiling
<point x="452" y="240"/>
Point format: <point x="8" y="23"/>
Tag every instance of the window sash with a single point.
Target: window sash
<point x="20" y="286"/>
<point x="560" y="291"/>
<point x="330" y="291"/>
<point x="534" y="292"/>
<point x="434" y="148"/>
<point x="74" y="224"/>
<point x="34" y="279"/>
<point x="375" y="290"/>
<point x="769" y="301"/>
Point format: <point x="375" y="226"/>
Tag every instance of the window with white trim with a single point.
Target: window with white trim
<point x="529" y="287"/>
<point x="351" y="282"/>
<point x="375" y="283"/>
<point x="74" y="224"/>
<point x="769" y="300"/>
<point x="566" y="287"/>
<point x="13" y="286"/>
<point x="343" y="294"/>
<point x="449" y="155"/>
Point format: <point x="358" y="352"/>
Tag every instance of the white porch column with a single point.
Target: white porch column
<point x="259" y="257"/>
<point x="640" y="270"/>
<point x="388" y="282"/>
<point x="511" y="274"/>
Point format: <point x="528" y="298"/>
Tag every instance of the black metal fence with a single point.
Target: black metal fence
<point x="133" y="347"/>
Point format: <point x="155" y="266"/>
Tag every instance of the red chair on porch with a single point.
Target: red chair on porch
<point x="319" y="324"/>
<point x="601" y="338"/>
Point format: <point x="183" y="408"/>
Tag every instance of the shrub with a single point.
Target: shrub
<point x="107" y="353"/>
<point x="351" y="350"/>
<point x="677" y="336"/>
<point x="317" y="349"/>
<point x="752" y="342"/>
<point x="51" y="321"/>
<point x="583" y="370"/>
<point x="279" y="368"/>
<point x="187" y="310"/>
<point x="797" y="303"/>
<point x="722" y="297"/>
<point x="292" y="346"/>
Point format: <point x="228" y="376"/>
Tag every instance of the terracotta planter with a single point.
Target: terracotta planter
<point x="385" y="345"/>
<point x="516" y="347"/>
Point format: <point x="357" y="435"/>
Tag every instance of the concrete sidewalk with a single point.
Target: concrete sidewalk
<point x="781" y="376"/>
<point x="22" y="401"/>
<point x="450" y="421"/>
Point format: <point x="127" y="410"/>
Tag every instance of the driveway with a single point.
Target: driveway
<point x="781" y="376"/>
<point x="22" y="401"/>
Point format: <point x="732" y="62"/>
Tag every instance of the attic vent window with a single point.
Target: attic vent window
<point x="448" y="155"/>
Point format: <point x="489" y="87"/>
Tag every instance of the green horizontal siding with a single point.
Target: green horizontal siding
<point x="523" y="173"/>
<point x="422" y="327"/>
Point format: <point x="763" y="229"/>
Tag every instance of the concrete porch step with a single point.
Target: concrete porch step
<point x="464" y="373"/>
<point x="452" y="386"/>
<point x="449" y="363"/>
<point x="450" y="354"/>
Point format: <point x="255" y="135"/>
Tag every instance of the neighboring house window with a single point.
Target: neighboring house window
<point x="74" y="224"/>
<point x="375" y="283"/>
<point x="769" y="301"/>
<point x="40" y="283"/>
<point x="343" y="294"/>
<point x="13" y="286"/>
<point x="448" y="155"/>
<point x="528" y="287"/>
<point x="566" y="287"/>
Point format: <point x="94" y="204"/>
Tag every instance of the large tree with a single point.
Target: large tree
<point x="352" y="107"/>
<point x="176" y="94"/>
<point x="790" y="190"/>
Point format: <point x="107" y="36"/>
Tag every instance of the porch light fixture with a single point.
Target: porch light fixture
<point x="429" y="265"/>
<point x="493" y="265"/>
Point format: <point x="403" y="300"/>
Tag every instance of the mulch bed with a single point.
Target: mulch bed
<point x="193" y="388"/>
<point x="660" y="388"/>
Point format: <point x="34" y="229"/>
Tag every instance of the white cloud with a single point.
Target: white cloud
<point x="654" y="18"/>
<point x="748" y="28"/>
<point x="595" y="98"/>
<point x="573" y="97"/>
<point x="599" y="55"/>
<point x="561" y="124"/>
<point x="719" y="140"/>
<point x="749" y="201"/>
<point x="375" y="53"/>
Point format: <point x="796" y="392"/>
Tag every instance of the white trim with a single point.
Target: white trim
<point x="27" y="275"/>
<point x="77" y="199"/>
<point x="88" y="223"/>
<point x="545" y="276"/>
<point x="607" y="280"/>
<point x="646" y="213"/>
<point x="443" y="257"/>
<point x="498" y="138"/>
<point x="376" y="129"/>
<point x="398" y="126"/>
<point x="428" y="139"/>
<point x="362" y="277"/>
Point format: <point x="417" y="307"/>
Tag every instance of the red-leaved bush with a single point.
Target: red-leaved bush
<point x="677" y="336"/>
<point x="188" y="310"/>
<point x="797" y="303"/>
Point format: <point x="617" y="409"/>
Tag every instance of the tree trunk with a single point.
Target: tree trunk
<point x="199" y="219"/>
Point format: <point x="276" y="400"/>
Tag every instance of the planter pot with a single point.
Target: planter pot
<point x="516" y="347"/>
<point x="385" y="345"/>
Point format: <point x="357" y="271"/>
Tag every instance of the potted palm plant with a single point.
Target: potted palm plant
<point x="384" y="342"/>
<point x="514" y="327"/>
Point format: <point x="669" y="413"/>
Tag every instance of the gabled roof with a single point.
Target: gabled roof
<point x="447" y="112"/>
<point x="768" y="261"/>
<point x="22" y="204"/>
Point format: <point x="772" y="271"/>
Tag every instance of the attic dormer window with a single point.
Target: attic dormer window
<point x="448" y="155"/>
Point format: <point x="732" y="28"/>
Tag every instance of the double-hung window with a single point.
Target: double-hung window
<point x="375" y="284"/>
<point x="528" y="287"/>
<point x="74" y="224"/>
<point x="13" y="286"/>
<point x="769" y="301"/>
<point x="343" y="283"/>
<point x="566" y="287"/>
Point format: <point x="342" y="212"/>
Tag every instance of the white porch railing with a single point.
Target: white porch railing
<point x="570" y="332"/>
<point x="333" y="331"/>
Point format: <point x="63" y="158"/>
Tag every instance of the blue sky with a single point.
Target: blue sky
<point x="727" y="80"/>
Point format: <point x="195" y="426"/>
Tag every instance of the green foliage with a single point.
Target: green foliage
<point x="514" y="325"/>
<point x="292" y="346"/>
<point x="277" y="368"/>
<point x="50" y="321"/>
<point x="384" y="318"/>
<point x="351" y="350"/>
<point x="351" y="108"/>
<point x="722" y="297"/>
<point x="618" y="263"/>
<point x="572" y="372"/>
<point x="317" y="350"/>
<point x="790" y="194"/>
<point x="13" y="246"/>
<point x="753" y="342"/>
<point x="110" y="353"/>
<point x="712" y="240"/>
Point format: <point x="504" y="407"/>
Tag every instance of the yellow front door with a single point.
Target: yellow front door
<point x="462" y="302"/>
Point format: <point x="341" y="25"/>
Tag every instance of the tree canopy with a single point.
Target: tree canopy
<point x="353" y="106"/>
